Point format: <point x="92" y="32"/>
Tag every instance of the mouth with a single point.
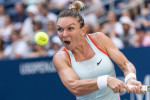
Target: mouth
<point x="67" y="42"/>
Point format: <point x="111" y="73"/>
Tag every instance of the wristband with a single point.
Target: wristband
<point x="129" y="76"/>
<point x="102" y="81"/>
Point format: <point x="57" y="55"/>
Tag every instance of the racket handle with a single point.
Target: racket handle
<point x="144" y="87"/>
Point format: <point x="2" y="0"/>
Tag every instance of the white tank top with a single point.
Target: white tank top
<point x="100" y="64"/>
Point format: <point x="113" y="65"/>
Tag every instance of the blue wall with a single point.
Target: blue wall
<point x="36" y="79"/>
<point x="31" y="79"/>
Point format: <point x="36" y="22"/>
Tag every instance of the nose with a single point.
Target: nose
<point x="65" y="33"/>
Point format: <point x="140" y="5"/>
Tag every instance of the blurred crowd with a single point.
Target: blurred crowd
<point x="20" y="20"/>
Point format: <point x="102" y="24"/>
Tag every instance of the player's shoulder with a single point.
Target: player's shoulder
<point x="61" y="56"/>
<point x="97" y="36"/>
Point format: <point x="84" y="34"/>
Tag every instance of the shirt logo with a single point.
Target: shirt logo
<point x="99" y="62"/>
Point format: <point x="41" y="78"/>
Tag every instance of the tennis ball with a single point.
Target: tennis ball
<point x="41" y="38"/>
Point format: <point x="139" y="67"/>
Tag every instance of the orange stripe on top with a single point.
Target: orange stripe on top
<point x="67" y="54"/>
<point x="96" y="45"/>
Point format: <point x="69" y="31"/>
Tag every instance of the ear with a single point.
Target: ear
<point x="83" y="30"/>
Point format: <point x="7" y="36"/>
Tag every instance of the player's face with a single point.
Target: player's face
<point x="69" y="32"/>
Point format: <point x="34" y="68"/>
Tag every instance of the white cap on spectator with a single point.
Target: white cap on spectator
<point x="56" y="40"/>
<point x="125" y="20"/>
<point x="32" y="9"/>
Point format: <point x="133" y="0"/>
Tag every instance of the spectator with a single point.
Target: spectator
<point x="2" y="15"/>
<point x="126" y="13"/>
<point x="56" y="46"/>
<point x="52" y="32"/>
<point x="18" y="48"/>
<point x="58" y="6"/>
<point x="7" y="29"/>
<point x="89" y="28"/>
<point x="51" y="29"/>
<point x="90" y="18"/>
<point x="116" y="40"/>
<point x="128" y="31"/>
<point x="27" y="28"/>
<point x="96" y="3"/>
<point x="37" y="27"/>
<point x="112" y="24"/>
<point x="20" y="14"/>
<point x="98" y="28"/>
<point x="38" y="51"/>
<point x="146" y="40"/>
<point x="144" y="18"/>
<point x="46" y="15"/>
<point x="140" y="35"/>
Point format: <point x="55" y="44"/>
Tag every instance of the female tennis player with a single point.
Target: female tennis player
<point x="85" y="65"/>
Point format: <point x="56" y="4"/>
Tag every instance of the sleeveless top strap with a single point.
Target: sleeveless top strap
<point x="67" y="54"/>
<point x="95" y="47"/>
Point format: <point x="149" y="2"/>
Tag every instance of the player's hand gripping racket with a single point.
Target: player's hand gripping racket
<point x="145" y="88"/>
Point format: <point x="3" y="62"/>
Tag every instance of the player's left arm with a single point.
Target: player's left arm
<point x="118" y="57"/>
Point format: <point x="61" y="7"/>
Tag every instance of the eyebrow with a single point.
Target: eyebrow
<point x="67" y="25"/>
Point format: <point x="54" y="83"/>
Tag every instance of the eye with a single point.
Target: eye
<point x="60" y="30"/>
<point x="70" y="28"/>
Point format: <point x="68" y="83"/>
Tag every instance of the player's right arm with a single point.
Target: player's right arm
<point x="70" y="79"/>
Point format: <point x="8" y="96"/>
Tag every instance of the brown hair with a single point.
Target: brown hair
<point x="73" y="11"/>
